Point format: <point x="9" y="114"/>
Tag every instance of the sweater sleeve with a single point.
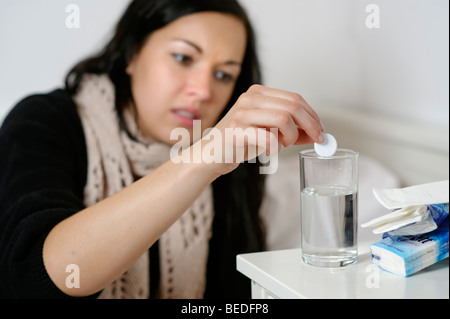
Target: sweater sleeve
<point x="43" y="165"/>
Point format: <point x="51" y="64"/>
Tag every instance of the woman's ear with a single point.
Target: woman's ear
<point x="130" y="67"/>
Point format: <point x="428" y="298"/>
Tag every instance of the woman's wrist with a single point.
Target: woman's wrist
<point x="207" y="159"/>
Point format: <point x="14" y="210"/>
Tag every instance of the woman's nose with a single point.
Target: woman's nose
<point x="200" y="84"/>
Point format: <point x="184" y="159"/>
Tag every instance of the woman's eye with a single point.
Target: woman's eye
<point x="224" y="77"/>
<point x="182" y="58"/>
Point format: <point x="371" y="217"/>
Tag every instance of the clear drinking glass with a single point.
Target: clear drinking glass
<point x="329" y="208"/>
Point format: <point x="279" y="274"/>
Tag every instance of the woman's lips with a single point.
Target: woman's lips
<point x="186" y="116"/>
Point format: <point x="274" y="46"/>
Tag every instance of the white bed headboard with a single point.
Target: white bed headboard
<point x="416" y="153"/>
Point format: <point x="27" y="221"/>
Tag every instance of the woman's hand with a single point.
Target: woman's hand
<point x="262" y="120"/>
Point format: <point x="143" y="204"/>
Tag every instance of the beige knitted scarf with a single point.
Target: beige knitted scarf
<point x="114" y="160"/>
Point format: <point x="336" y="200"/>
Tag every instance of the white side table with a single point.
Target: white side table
<point x="283" y="274"/>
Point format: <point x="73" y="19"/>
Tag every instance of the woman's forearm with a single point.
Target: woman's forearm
<point x="104" y="240"/>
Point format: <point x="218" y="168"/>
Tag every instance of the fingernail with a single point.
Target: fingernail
<point x="321" y="138"/>
<point x="322" y="127"/>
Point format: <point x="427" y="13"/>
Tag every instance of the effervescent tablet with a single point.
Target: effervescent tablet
<point x="328" y="147"/>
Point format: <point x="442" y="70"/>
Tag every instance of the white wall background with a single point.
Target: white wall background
<point x="37" y="49"/>
<point x="321" y="49"/>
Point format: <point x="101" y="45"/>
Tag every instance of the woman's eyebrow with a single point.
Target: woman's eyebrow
<point x="235" y="63"/>
<point x="196" y="47"/>
<point x="199" y="49"/>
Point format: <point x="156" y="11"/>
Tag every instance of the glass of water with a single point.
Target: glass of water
<point x="329" y="208"/>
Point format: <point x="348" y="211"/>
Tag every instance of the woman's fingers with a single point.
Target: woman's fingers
<point x="284" y="104"/>
<point x="303" y="138"/>
<point x="297" y="99"/>
<point x="262" y="119"/>
<point x="269" y="118"/>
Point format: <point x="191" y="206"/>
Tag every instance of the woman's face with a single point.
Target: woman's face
<point x="186" y="71"/>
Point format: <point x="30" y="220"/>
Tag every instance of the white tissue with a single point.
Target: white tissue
<point x="412" y="211"/>
<point x="425" y="194"/>
<point x="397" y="219"/>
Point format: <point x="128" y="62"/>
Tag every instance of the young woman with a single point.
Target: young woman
<point x="92" y="205"/>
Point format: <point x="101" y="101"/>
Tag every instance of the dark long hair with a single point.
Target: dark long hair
<point x="238" y="195"/>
